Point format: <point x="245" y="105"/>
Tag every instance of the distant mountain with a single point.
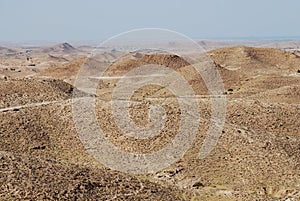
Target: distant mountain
<point x="7" y="51"/>
<point x="64" y="48"/>
<point x="284" y="45"/>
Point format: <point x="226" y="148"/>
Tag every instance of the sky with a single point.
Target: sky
<point x="93" y="20"/>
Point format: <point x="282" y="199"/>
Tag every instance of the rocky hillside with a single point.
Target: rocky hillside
<point x="256" y="158"/>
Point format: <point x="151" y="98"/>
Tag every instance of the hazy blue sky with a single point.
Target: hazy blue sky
<point x="71" y="20"/>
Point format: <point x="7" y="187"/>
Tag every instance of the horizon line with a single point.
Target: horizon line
<point x="93" y="41"/>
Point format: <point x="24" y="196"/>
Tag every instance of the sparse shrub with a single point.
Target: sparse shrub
<point x="198" y="185"/>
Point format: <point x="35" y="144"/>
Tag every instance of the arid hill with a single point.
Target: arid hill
<point x="34" y="178"/>
<point x="15" y="92"/>
<point x="63" y="48"/>
<point x="256" y="60"/>
<point x="7" y="51"/>
<point x="65" y="72"/>
<point x="256" y="158"/>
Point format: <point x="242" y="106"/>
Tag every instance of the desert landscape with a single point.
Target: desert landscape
<point x="256" y="157"/>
